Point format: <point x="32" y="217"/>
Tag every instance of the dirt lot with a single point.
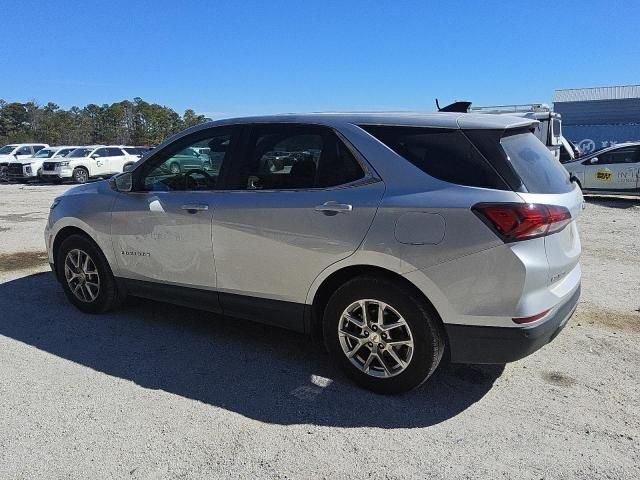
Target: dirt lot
<point x="152" y="392"/>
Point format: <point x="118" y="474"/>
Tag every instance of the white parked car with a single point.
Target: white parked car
<point x="612" y="170"/>
<point x="17" y="151"/>
<point x="89" y="162"/>
<point x="31" y="167"/>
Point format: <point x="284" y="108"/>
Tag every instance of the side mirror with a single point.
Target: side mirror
<point x="128" y="168"/>
<point x="593" y="160"/>
<point x="123" y="182"/>
<point x="94" y="156"/>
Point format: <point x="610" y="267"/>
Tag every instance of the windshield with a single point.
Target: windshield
<point x="133" y="150"/>
<point x="44" y="153"/>
<point x="7" y="149"/>
<point x="64" y="152"/>
<point x="80" y="152"/>
<point x="536" y="166"/>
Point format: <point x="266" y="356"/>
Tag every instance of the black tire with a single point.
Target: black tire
<point x="80" y="175"/>
<point x="108" y="295"/>
<point x="422" y="320"/>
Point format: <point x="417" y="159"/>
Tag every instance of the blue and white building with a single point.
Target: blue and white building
<point x="598" y="117"/>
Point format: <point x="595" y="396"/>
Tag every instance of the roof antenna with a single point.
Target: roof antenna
<point x="437" y="104"/>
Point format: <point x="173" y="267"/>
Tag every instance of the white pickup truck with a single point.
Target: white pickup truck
<point x="88" y="162"/>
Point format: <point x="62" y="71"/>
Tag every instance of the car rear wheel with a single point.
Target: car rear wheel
<point x="85" y="275"/>
<point x="174" y="168"/>
<point x="382" y="335"/>
<point x="80" y="175"/>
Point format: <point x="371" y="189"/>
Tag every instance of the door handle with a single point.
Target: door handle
<point x="334" y="207"/>
<point x="195" y="207"/>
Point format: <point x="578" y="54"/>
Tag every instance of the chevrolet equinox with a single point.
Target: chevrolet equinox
<point x="396" y="238"/>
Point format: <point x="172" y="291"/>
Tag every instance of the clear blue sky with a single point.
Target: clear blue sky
<point x="245" y="57"/>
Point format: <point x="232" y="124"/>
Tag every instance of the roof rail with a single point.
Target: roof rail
<point x="519" y="108"/>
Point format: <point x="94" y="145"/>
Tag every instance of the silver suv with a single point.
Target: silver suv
<point x="397" y="238"/>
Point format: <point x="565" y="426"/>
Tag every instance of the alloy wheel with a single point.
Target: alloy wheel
<point x="82" y="275"/>
<point x="375" y="338"/>
<point x="81" y="176"/>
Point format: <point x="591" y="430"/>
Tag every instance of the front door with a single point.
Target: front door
<point x="299" y="202"/>
<point x="161" y="231"/>
<point x="100" y="160"/>
<point x="615" y="170"/>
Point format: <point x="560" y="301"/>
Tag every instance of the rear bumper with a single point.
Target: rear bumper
<point x="476" y="344"/>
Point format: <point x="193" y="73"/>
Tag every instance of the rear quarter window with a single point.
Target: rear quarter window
<point x="536" y="166"/>
<point x="445" y="154"/>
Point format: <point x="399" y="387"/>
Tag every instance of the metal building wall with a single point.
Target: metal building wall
<point x="599" y="112"/>
<point x="596" y="118"/>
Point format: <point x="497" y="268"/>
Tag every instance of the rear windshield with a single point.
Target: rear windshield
<point x="445" y="154"/>
<point x="536" y="166"/>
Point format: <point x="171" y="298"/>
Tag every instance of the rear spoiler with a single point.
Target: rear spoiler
<point x="459" y="107"/>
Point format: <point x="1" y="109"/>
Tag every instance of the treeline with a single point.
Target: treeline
<point x="128" y="123"/>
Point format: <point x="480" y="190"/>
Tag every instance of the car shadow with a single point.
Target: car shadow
<point x="261" y="372"/>
<point x="612" y="202"/>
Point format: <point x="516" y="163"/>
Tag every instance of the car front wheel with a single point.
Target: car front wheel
<point x="80" y="175"/>
<point x="382" y="335"/>
<point x="85" y="275"/>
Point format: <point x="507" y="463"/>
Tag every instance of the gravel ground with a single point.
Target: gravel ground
<point x="152" y="391"/>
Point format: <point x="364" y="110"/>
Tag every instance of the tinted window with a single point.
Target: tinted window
<point x="64" y="152"/>
<point x="180" y="167"/>
<point x="80" y="152"/>
<point x="115" y="152"/>
<point x="296" y="157"/>
<point x="442" y="153"/>
<point x="536" y="166"/>
<point x="24" y="151"/>
<point x="622" y="155"/>
<point x="102" y="152"/>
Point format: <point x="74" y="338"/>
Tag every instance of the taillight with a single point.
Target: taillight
<point x="522" y="221"/>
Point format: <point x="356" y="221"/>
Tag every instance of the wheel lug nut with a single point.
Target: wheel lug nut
<point x="370" y="345"/>
<point x="374" y="328"/>
<point x="381" y="346"/>
<point x="366" y="334"/>
<point x="384" y="336"/>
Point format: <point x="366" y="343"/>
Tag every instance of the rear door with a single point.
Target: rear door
<point x="116" y="160"/>
<point x="615" y="170"/>
<point x="282" y="223"/>
<point x="100" y="159"/>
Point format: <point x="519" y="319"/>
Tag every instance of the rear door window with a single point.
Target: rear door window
<point x="285" y="157"/>
<point x="445" y="154"/>
<point x="536" y="166"/>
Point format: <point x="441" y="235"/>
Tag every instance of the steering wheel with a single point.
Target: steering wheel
<point x="192" y="183"/>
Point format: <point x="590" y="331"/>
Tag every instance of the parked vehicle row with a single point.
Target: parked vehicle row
<point x="24" y="162"/>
